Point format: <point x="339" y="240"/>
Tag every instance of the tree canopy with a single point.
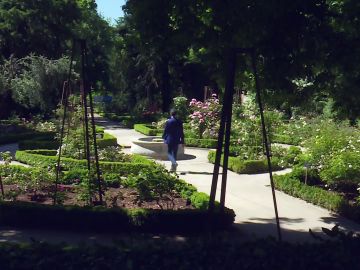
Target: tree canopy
<point x="307" y="51"/>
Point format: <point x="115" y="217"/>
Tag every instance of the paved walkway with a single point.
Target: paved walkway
<point x="250" y="197"/>
<point x="12" y="148"/>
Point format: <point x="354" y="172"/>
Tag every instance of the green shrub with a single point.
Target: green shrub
<point x="106" y="141"/>
<point x="292" y="185"/>
<point x="342" y="168"/>
<point x="292" y="155"/>
<point x="285" y="139"/>
<point x="100" y="219"/>
<point x="181" y="106"/>
<point x="13" y="138"/>
<point x="74" y="175"/>
<point x="200" y="200"/>
<point x="239" y="165"/>
<point x="220" y="251"/>
<point x="46" y="142"/>
<point x="99" y="130"/>
<point x="127" y="121"/>
<point x="147" y="129"/>
<point x="46" y="158"/>
<point x="38" y="144"/>
<point x="203" y="143"/>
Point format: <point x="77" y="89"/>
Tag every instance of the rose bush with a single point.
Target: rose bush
<point x="205" y="117"/>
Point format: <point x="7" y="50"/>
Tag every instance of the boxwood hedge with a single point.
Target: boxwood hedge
<point x="47" y="158"/>
<point x="51" y="143"/>
<point x="100" y="219"/>
<point x="15" y="137"/>
<point x="147" y="129"/>
<point x="246" y="166"/>
<point x="292" y="184"/>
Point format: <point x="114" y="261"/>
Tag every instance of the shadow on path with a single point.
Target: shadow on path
<point x="187" y="157"/>
<point x="268" y="229"/>
<point x="204" y="173"/>
<point x="283" y="220"/>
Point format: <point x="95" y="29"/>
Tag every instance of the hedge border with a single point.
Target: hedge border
<point x="245" y="166"/>
<point x="146" y="130"/>
<point x="13" y="138"/>
<point x="45" y="143"/>
<point x="291" y="184"/>
<point x="23" y="214"/>
<point x="39" y="159"/>
<point x="76" y="218"/>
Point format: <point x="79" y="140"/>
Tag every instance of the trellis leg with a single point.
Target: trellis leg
<point x="98" y="173"/>
<point x="86" y="120"/>
<point x="2" y="188"/>
<point x="230" y="88"/>
<point x="65" y="105"/>
<point x="87" y="91"/>
<point x="224" y="112"/>
<point x="253" y="62"/>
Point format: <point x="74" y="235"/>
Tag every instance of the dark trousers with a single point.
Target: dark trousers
<point x="172" y="152"/>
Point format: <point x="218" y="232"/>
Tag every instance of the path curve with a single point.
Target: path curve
<point x="251" y="198"/>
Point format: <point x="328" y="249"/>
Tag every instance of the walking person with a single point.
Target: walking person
<point x="173" y="136"/>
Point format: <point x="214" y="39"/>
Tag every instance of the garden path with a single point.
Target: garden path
<point x="12" y="148"/>
<point x="251" y="198"/>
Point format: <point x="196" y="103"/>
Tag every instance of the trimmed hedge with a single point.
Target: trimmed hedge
<point x="291" y="184"/>
<point x="47" y="158"/>
<point x="76" y="218"/>
<point x="38" y="144"/>
<point x="13" y="138"/>
<point x="126" y="120"/>
<point x="147" y="129"/>
<point x="106" y="141"/>
<point x="246" y="166"/>
<point x="50" y="143"/>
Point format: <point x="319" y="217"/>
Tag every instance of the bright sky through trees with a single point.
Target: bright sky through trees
<point x="110" y="9"/>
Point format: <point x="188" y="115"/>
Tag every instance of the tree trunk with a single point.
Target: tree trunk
<point x="165" y="87"/>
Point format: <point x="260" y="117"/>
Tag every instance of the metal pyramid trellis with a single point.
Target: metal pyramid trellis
<point x="87" y="104"/>
<point x="225" y="127"/>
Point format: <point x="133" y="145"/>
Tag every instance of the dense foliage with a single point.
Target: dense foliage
<point x="222" y="251"/>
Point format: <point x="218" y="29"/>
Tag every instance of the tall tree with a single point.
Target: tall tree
<point x="42" y="27"/>
<point x="160" y="39"/>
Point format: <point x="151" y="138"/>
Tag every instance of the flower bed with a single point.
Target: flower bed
<point x="148" y="199"/>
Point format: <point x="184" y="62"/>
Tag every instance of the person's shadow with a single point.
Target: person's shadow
<point x="186" y="157"/>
